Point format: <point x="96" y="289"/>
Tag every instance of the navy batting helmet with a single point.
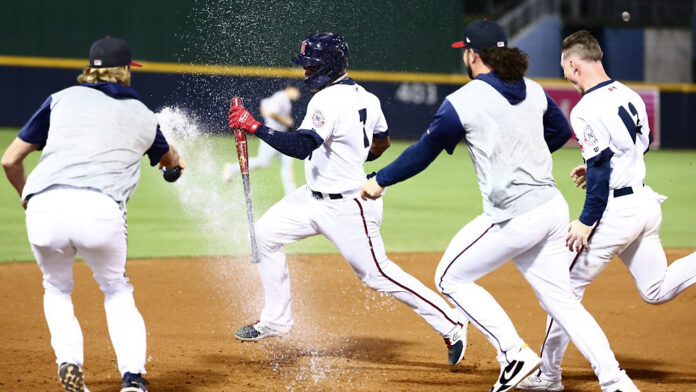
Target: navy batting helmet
<point x="328" y="52"/>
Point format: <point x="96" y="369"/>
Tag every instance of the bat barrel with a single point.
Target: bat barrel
<point x="250" y="218"/>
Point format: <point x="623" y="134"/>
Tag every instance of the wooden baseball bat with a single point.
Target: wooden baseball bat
<point x="243" y="157"/>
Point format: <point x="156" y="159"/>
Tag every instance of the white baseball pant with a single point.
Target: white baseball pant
<point x="629" y="229"/>
<point x="535" y="242"/>
<point x="352" y="225"/>
<point x="60" y="223"/>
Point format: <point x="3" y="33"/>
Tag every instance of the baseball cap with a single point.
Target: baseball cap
<point x="481" y="34"/>
<point x="110" y="52"/>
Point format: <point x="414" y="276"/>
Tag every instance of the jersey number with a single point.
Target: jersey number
<point x="363" y="120"/>
<point x="631" y="121"/>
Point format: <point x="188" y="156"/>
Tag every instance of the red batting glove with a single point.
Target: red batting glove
<point x="241" y="118"/>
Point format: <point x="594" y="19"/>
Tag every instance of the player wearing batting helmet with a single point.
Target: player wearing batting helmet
<point x="344" y="126"/>
<point x="510" y="127"/>
<point x="93" y="137"/>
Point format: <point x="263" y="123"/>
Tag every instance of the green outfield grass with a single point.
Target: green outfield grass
<point x="201" y="216"/>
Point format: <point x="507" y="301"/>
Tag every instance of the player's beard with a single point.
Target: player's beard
<point x="469" y="71"/>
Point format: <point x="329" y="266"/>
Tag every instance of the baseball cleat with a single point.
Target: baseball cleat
<point x="536" y="383"/>
<point x="256" y="332"/>
<point x="521" y="366"/>
<point x="456" y="344"/>
<point x="623" y="385"/>
<point x="133" y="382"/>
<point x="71" y="377"/>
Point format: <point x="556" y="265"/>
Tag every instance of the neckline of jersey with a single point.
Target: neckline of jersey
<point x="600" y="85"/>
<point x="345" y="79"/>
<point x="114" y="90"/>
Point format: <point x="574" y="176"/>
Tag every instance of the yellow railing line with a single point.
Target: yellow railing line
<point x="277" y="72"/>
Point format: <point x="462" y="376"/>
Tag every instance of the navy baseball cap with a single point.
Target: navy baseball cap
<point x="110" y="52"/>
<point x="481" y="34"/>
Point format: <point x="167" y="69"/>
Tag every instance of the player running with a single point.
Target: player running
<point x="621" y="216"/>
<point x="344" y="126"/>
<point x="509" y="126"/>
<point x="277" y="114"/>
<point x="93" y="137"/>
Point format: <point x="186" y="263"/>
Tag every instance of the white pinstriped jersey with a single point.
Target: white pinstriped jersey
<point x="346" y="116"/>
<point x="611" y="115"/>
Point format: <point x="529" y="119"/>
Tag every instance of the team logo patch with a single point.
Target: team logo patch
<point x="97" y="62"/>
<point x="318" y="119"/>
<point x="588" y="137"/>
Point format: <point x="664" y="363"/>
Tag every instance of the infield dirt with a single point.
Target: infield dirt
<point x="346" y="337"/>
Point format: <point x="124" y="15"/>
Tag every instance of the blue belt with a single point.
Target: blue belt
<point x="623" y="191"/>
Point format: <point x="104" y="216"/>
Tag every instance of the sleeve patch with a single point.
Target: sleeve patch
<point x="318" y="119"/>
<point x="588" y="137"/>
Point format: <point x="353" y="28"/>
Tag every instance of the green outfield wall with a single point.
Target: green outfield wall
<point x="394" y="35"/>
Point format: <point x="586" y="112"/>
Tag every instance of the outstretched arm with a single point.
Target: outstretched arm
<point x="445" y="131"/>
<point x="411" y="162"/>
<point x="295" y="144"/>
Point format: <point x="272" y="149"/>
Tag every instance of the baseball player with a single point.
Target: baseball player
<point x="93" y="137"/>
<point x="276" y="111"/>
<point x="510" y="126"/>
<point x="344" y="126"/>
<point x="621" y="216"/>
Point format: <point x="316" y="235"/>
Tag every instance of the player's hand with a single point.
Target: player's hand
<point x="578" y="176"/>
<point x="241" y="118"/>
<point x="578" y="234"/>
<point x="371" y="189"/>
<point x="172" y="159"/>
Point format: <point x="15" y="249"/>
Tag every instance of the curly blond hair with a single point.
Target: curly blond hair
<point x="110" y="74"/>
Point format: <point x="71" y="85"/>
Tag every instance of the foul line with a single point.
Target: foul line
<point x="296" y="73"/>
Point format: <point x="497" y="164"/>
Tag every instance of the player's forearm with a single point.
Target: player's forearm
<point x="597" y="180"/>
<point x="13" y="162"/>
<point x="379" y="146"/>
<point x="170" y="159"/>
<point x="15" y="174"/>
<point x="295" y="144"/>
<point x="411" y="162"/>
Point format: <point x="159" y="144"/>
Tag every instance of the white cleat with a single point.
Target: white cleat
<point x="456" y="344"/>
<point x="536" y="383"/>
<point x="623" y="385"/>
<point x="255" y="332"/>
<point x="522" y="365"/>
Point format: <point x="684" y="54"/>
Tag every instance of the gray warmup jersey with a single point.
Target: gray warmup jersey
<point x="94" y="141"/>
<point x="507" y="147"/>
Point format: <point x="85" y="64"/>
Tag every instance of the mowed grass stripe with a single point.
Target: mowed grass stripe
<point x="202" y="216"/>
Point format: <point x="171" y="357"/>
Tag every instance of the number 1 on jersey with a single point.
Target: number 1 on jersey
<point x="363" y="120"/>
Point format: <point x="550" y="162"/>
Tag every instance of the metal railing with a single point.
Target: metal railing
<point x="527" y="13"/>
